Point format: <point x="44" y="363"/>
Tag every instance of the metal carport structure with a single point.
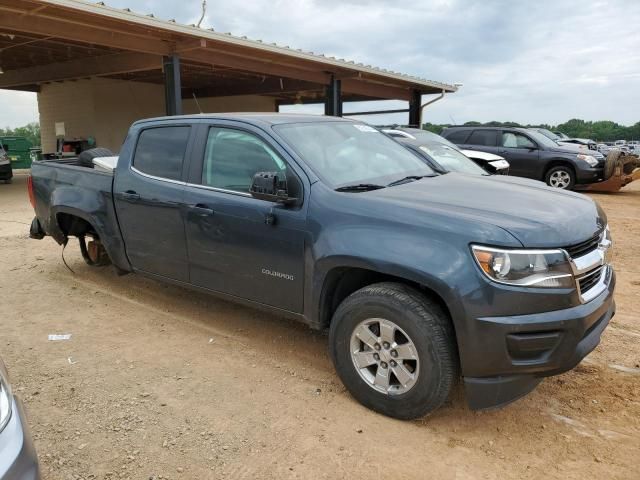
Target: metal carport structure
<point x="48" y="41"/>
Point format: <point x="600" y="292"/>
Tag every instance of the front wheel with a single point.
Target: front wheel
<point x="394" y="349"/>
<point x="561" y="177"/>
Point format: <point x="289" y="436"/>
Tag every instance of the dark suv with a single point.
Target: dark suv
<point x="531" y="154"/>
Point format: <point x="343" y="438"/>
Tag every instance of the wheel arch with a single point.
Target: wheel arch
<point x="558" y="162"/>
<point x="69" y="221"/>
<point x="341" y="281"/>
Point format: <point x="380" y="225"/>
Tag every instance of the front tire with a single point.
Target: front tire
<point x="394" y="349"/>
<point x="562" y="177"/>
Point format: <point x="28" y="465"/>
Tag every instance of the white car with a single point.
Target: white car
<point x="494" y="164"/>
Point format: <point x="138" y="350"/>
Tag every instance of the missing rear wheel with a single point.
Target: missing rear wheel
<point x="94" y="253"/>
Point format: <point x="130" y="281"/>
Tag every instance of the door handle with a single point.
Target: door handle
<point x="201" y="210"/>
<point x="131" y="196"/>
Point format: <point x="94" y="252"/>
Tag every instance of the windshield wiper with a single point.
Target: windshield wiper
<point x="407" y="179"/>
<point x="359" y="187"/>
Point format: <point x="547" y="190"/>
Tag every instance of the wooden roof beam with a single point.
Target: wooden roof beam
<point x="212" y="57"/>
<point x="80" y="32"/>
<point x="271" y="86"/>
<point x="81" y="68"/>
<point x="375" y="90"/>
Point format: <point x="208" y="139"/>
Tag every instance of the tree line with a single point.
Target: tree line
<point x="30" y="131"/>
<point x="601" y="131"/>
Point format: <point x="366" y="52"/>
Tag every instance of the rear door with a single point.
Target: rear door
<point x="521" y="152"/>
<point x="457" y="135"/>
<point x="239" y="245"/>
<point x="149" y="196"/>
<point x="483" y="140"/>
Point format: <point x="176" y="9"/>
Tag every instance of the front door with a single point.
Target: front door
<point x="237" y="244"/>
<point x="148" y="199"/>
<point x="522" y="154"/>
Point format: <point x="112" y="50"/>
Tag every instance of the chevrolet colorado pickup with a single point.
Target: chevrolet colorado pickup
<point x="420" y="278"/>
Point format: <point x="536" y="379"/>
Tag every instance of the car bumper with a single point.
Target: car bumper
<point x="6" y="172"/>
<point x="18" y="460"/>
<point x="521" y="350"/>
<point x="589" y="174"/>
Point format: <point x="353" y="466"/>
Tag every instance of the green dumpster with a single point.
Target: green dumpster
<point x="17" y="149"/>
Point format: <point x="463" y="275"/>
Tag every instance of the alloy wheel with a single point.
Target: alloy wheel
<point x="384" y="356"/>
<point x="560" y="179"/>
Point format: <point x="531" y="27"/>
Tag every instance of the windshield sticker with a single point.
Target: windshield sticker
<point x="366" y="128"/>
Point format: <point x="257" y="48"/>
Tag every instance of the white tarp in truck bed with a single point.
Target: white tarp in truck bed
<point x="105" y="164"/>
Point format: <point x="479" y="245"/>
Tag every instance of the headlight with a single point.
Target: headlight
<point x="525" y="268"/>
<point x="590" y="159"/>
<point x="5" y="401"/>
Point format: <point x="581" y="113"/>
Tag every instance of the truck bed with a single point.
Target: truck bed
<point x="63" y="186"/>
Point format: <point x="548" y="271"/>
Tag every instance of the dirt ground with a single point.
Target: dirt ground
<point x="160" y="382"/>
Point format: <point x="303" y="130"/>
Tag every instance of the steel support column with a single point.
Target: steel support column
<point x="172" y="85"/>
<point x="414" y="109"/>
<point x="333" y="103"/>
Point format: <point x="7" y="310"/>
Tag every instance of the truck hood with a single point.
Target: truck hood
<point x="536" y="215"/>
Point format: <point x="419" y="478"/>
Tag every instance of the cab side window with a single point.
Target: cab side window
<point x="516" y="140"/>
<point x="232" y="157"/>
<point x="160" y="151"/>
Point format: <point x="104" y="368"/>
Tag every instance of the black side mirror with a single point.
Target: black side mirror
<point x="271" y="187"/>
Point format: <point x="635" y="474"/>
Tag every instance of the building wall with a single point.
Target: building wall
<point x="104" y="108"/>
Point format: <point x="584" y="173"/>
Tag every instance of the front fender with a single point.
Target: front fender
<point x="438" y="263"/>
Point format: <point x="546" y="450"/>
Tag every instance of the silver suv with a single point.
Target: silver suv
<point x="18" y="460"/>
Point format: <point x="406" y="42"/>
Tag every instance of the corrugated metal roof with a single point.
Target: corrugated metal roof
<point x="150" y="20"/>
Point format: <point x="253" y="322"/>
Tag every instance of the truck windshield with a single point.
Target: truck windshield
<point x="349" y="153"/>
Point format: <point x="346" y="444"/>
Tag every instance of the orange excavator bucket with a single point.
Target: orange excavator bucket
<point x="620" y="170"/>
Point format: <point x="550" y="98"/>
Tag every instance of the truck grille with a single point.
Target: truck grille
<point x="590" y="279"/>
<point x="583" y="248"/>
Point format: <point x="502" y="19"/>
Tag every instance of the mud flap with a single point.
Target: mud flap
<point x="35" y="231"/>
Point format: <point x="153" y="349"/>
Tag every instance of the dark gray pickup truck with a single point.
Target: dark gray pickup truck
<point x="419" y="277"/>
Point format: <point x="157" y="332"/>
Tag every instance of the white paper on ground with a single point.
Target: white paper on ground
<point x="56" y="337"/>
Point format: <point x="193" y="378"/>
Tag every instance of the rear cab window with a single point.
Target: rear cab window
<point x="160" y="151"/>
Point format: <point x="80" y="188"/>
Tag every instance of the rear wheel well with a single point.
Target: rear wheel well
<point x="342" y="282"/>
<point x="74" y="226"/>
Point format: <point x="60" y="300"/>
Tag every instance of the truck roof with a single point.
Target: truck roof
<point x="269" y="118"/>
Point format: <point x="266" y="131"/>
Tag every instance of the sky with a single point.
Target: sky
<point x="542" y="61"/>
